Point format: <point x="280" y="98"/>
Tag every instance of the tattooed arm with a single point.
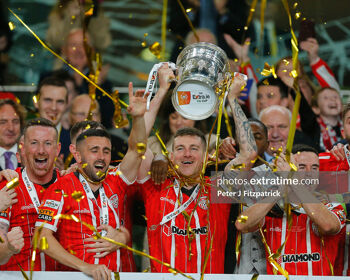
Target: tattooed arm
<point x="244" y="135"/>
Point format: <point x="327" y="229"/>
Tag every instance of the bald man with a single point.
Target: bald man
<point x="80" y="110"/>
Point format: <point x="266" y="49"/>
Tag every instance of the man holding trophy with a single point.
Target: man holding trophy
<point x="185" y="229"/>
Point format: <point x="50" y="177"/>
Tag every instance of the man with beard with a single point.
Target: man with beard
<point x="93" y="198"/>
<point x="40" y="148"/>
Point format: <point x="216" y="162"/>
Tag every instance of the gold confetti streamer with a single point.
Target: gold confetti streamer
<point x="118" y="119"/>
<point x="269" y="70"/>
<point x="13" y="183"/>
<point x="242" y="219"/>
<point x="35" y="99"/>
<point x="100" y="174"/>
<point x="141" y="148"/>
<point x="156" y="49"/>
<point x="84" y="165"/>
<point x="325" y="252"/>
<point x="116" y="276"/>
<point x="11" y="25"/>
<point x="255" y="276"/>
<point x="77" y="196"/>
<point x="122" y="245"/>
<point x="188" y="20"/>
<point x="43" y="244"/>
<point x="164" y="21"/>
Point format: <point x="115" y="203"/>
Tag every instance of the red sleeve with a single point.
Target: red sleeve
<point x="51" y="206"/>
<point x="324" y="75"/>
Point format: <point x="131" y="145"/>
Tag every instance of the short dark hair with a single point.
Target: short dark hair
<point x="19" y="109"/>
<point x="91" y="133"/>
<point x="298" y="148"/>
<point x="84" y="125"/>
<point x="39" y="122"/>
<point x="191" y="131"/>
<point x="52" y="81"/>
<point x="277" y="82"/>
<point x="260" y="123"/>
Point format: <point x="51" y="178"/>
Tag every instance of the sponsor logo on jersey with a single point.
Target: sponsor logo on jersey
<point x="168" y="200"/>
<point x="277" y="229"/>
<point x="315" y="257"/>
<point x="203" y="203"/>
<point x="114" y="200"/>
<point x="28" y="207"/>
<point x="46" y="215"/>
<point x="82" y="211"/>
<point x="179" y="231"/>
<point x="53" y="204"/>
<point x="4" y="214"/>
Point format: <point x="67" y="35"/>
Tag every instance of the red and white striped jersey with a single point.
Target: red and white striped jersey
<point x="24" y="214"/>
<point x="71" y="235"/>
<point x="170" y="242"/>
<point x="304" y="253"/>
<point x="324" y="75"/>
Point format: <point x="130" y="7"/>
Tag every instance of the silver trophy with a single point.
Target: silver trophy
<point x="200" y="68"/>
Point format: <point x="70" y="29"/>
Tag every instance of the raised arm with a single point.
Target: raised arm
<point x="137" y="139"/>
<point x="244" y="135"/>
<point x="165" y="74"/>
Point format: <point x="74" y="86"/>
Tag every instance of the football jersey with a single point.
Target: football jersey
<point x="169" y="239"/>
<point x="23" y="214"/>
<point x="64" y="197"/>
<point x="304" y="253"/>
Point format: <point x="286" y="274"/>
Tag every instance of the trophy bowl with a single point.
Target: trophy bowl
<point x="201" y="66"/>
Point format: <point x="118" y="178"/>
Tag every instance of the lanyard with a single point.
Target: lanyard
<point x="31" y="190"/>
<point x="347" y="154"/>
<point x="171" y="216"/>
<point x="36" y="202"/>
<point x="104" y="215"/>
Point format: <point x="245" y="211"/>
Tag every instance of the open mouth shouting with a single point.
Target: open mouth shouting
<point x="40" y="162"/>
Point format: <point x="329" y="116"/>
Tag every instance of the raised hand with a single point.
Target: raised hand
<point x="137" y="102"/>
<point x="241" y="51"/>
<point x="165" y="75"/>
<point x="7" y="198"/>
<point x="227" y="148"/>
<point x="237" y="85"/>
<point x="311" y="47"/>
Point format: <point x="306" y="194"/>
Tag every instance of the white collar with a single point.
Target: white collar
<point x="12" y="149"/>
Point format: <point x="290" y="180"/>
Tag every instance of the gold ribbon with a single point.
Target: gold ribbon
<point x="188" y="20"/>
<point x="164" y="20"/>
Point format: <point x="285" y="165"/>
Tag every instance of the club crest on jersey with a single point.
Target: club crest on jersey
<point x="114" y="200"/>
<point x="203" y="203"/>
<point x="315" y="257"/>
